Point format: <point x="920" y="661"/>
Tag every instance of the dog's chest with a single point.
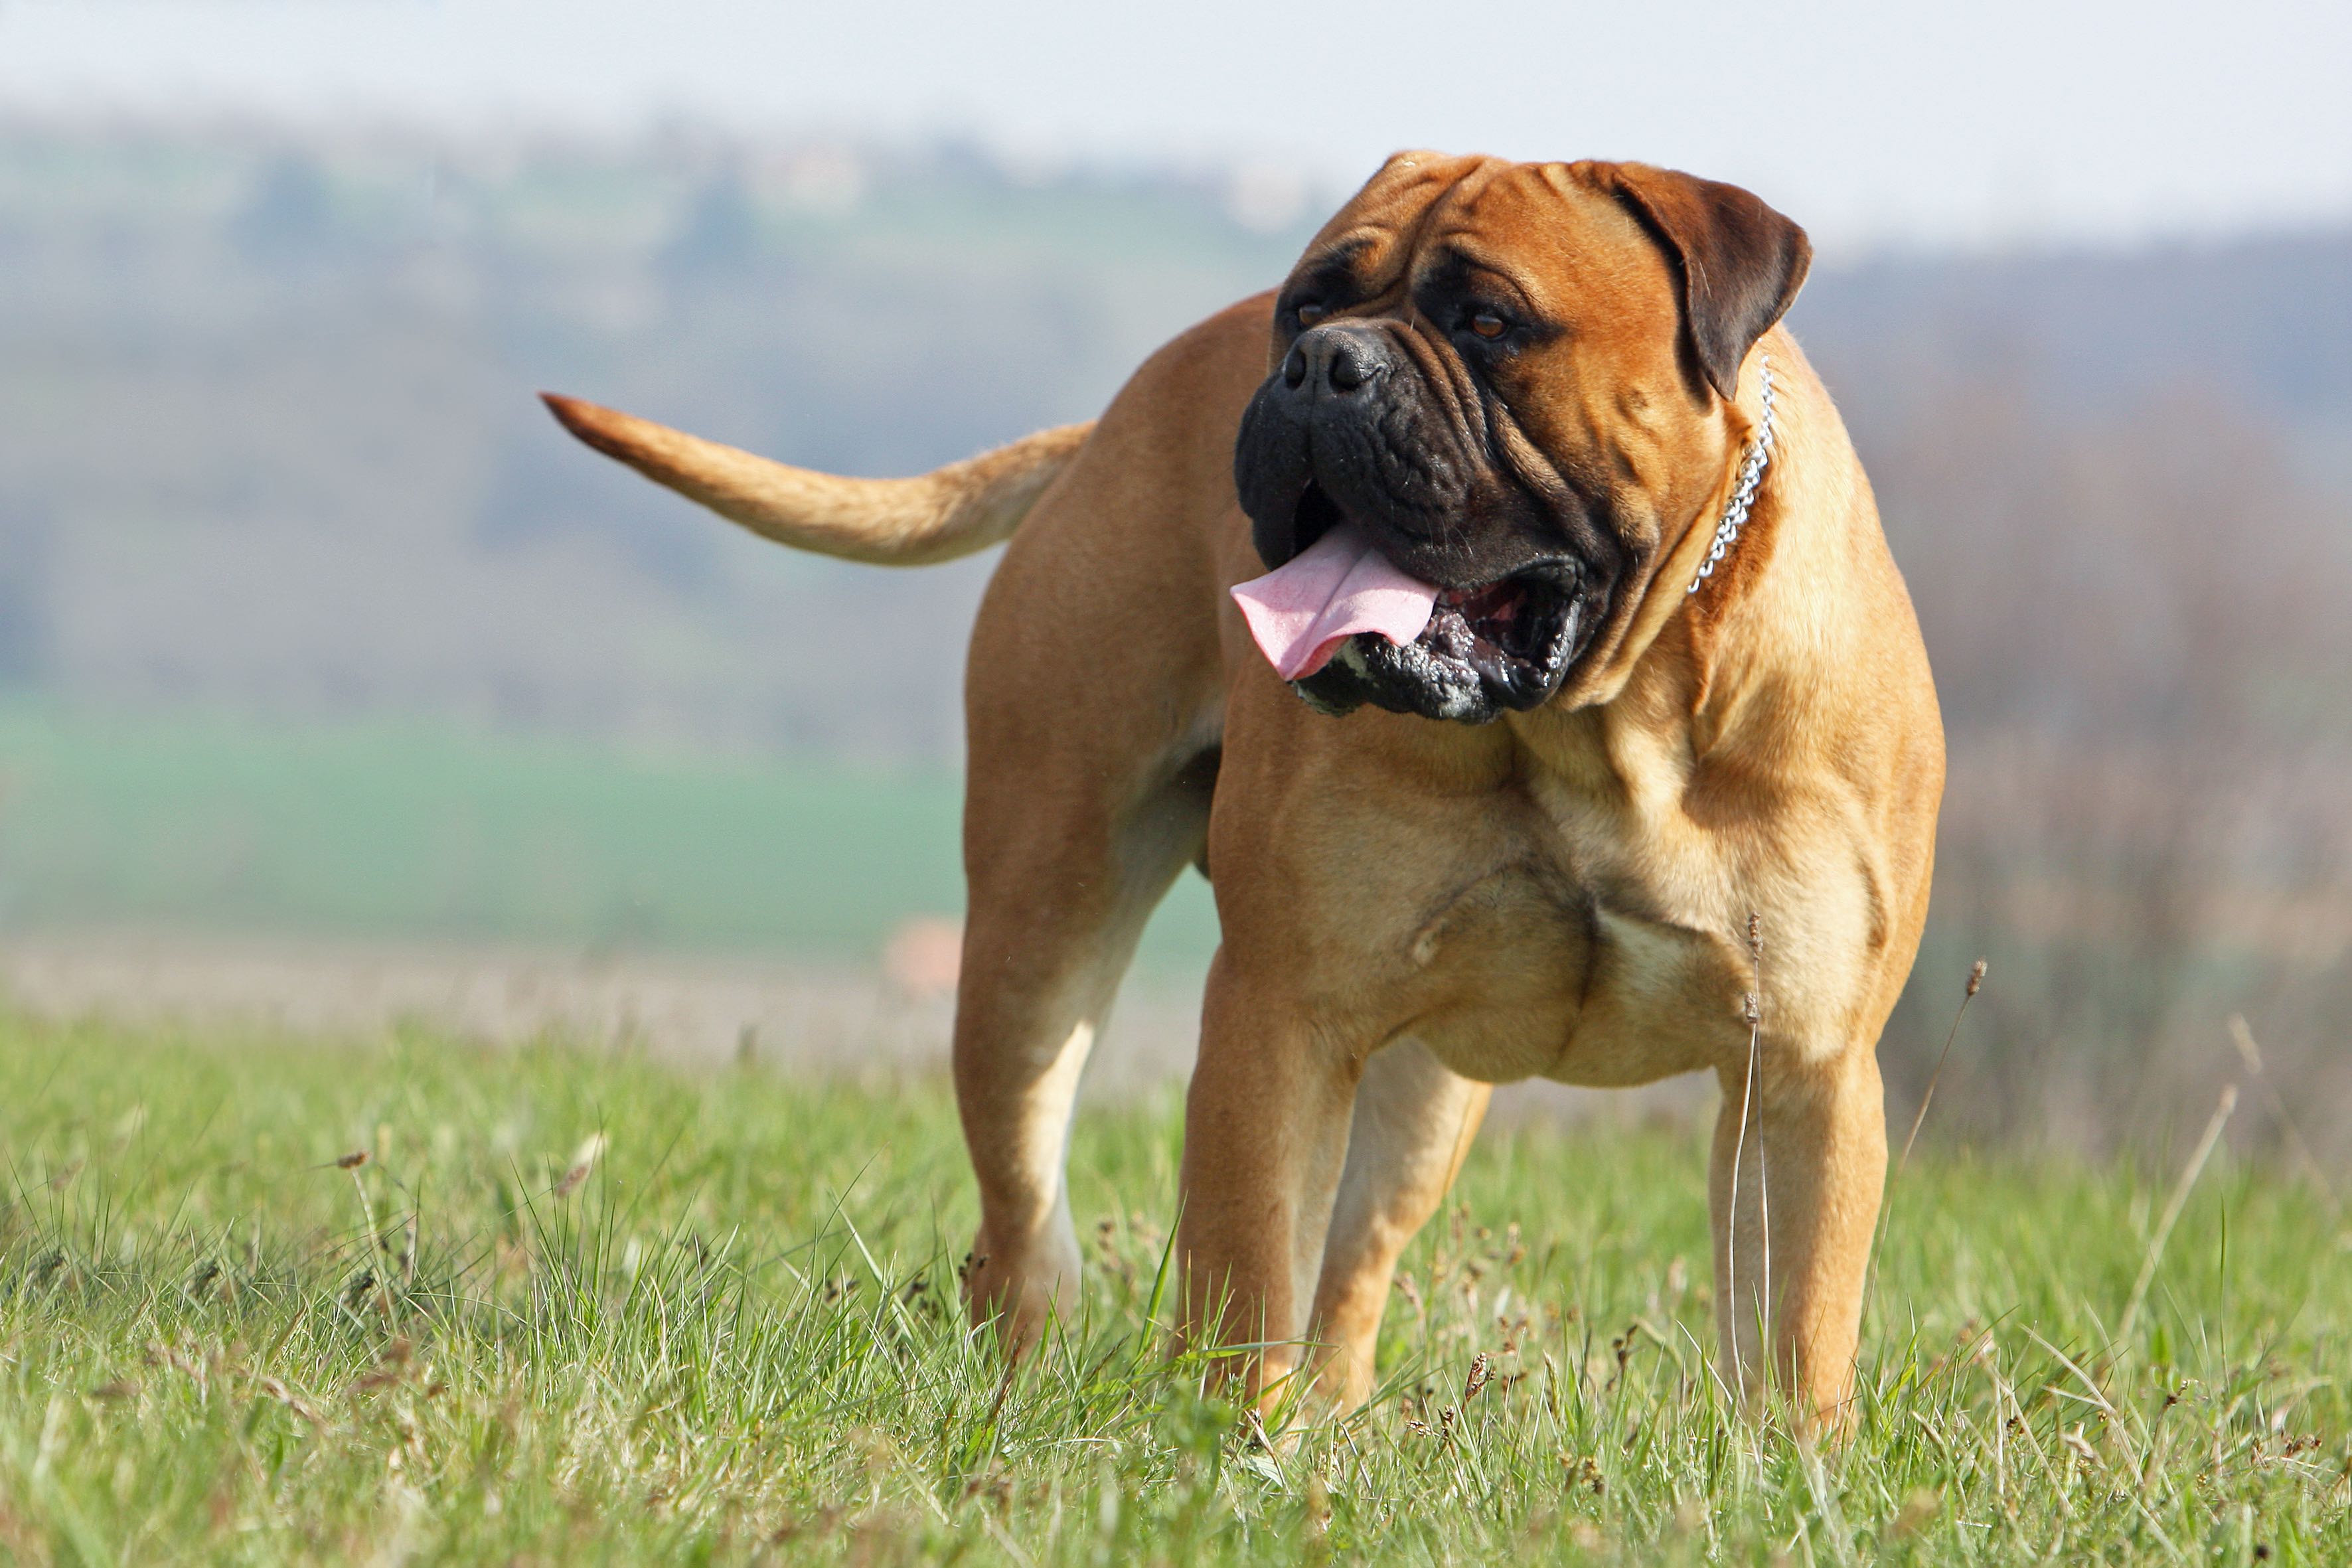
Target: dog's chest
<point x="1567" y="950"/>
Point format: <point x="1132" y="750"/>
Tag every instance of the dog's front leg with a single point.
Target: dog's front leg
<point x="1799" y="1159"/>
<point x="1413" y="1122"/>
<point x="1265" y="1140"/>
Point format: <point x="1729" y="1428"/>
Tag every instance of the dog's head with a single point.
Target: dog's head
<point x="1516" y="380"/>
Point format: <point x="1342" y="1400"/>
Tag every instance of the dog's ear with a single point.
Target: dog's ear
<point x="1742" y="262"/>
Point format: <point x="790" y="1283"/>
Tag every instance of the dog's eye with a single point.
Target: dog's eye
<point x="1308" y="312"/>
<point x="1487" y="324"/>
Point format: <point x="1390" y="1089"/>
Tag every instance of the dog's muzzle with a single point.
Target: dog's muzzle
<point x="1345" y="429"/>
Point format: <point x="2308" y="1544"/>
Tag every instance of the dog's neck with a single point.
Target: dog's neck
<point x="1703" y="572"/>
<point x="1776" y="610"/>
<point x="1795" y="552"/>
<point x="1752" y="464"/>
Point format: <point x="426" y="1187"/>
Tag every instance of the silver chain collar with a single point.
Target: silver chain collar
<point x="1751" y="474"/>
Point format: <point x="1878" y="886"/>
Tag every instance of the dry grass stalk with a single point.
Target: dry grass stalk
<point x="2251" y="1054"/>
<point x="1752" y="1007"/>
<point x="292" y="1401"/>
<point x="391" y="1367"/>
<point x="1977" y="972"/>
<point x="2179" y="1199"/>
<point x="1976" y="984"/>
<point x="583" y="1161"/>
<point x="1482" y="1367"/>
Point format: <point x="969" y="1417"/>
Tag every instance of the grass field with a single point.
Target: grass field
<point x="373" y="829"/>
<point x="576" y="1308"/>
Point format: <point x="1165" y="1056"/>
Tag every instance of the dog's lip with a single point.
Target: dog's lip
<point x="1316" y="512"/>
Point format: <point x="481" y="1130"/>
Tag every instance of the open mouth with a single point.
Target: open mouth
<point x="1507" y="643"/>
<point x="1504" y="645"/>
<point x="1514" y="634"/>
<point x="1464" y="621"/>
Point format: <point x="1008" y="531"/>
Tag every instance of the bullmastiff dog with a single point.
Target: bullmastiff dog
<point x="1498" y="615"/>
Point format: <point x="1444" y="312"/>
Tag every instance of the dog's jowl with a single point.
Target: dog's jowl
<point x="1498" y="612"/>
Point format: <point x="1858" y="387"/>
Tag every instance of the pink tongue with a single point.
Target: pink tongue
<point x="1300" y="613"/>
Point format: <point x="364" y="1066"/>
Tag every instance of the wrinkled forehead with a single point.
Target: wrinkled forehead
<point x="1546" y="228"/>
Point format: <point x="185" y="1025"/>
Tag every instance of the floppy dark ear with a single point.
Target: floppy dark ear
<point x="1742" y="263"/>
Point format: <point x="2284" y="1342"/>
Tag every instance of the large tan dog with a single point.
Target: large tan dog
<point x="1531" y="839"/>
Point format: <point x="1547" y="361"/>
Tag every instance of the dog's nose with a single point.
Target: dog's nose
<point x="1335" y="362"/>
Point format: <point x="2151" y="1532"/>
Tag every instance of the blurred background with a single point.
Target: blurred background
<point x="338" y="687"/>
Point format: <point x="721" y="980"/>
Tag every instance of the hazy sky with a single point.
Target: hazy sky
<point x="1988" y="121"/>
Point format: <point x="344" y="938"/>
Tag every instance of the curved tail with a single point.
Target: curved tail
<point x="947" y="512"/>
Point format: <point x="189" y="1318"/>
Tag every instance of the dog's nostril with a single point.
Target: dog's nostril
<point x="1293" y="369"/>
<point x="1347" y="372"/>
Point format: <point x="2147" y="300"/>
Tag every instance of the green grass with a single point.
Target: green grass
<point x="374" y="829"/>
<point x="735" y="1338"/>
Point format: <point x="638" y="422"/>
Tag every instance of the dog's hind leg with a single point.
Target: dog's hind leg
<point x="1093" y="708"/>
<point x="1055" y="911"/>
<point x="1093" y="716"/>
<point x="1414" y="1121"/>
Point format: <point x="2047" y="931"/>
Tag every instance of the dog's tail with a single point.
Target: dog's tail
<point x="947" y="512"/>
